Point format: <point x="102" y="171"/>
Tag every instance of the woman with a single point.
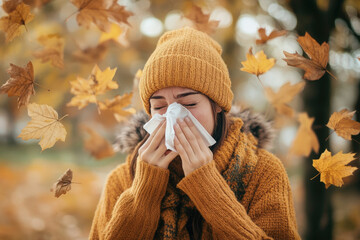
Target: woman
<point x="232" y="190"/>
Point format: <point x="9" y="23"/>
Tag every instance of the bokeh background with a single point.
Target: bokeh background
<point x="28" y="210"/>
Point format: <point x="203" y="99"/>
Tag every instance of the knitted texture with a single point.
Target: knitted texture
<point x="244" y="193"/>
<point x="187" y="58"/>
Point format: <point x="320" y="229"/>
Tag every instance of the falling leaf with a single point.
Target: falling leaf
<point x="113" y="34"/>
<point x="201" y="20"/>
<point x="117" y="106"/>
<point x="100" y="13"/>
<point x="11" y="24"/>
<point x="53" y="50"/>
<point x="332" y="169"/>
<point x="92" y="54"/>
<point x="315" y="67"/>
<point x="44" y="125"/>
<point x="280" y="99"/>
<point x="257" y="64"/>
<point x="342" y="124"/>
<point x="98" y="146"/>
<point x="21" y="83"/>
<point x="86" y="90"/>
<point x="264" y="38"/>
<point x="305" y="139"/>
<point x="63" y="184"/>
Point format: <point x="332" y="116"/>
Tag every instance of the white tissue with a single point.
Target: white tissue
<point x="176" y="111"/>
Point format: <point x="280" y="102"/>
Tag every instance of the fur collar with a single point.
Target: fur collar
<point x="132" y="132"/>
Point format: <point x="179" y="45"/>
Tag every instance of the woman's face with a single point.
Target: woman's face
<point x="198" y="104"/>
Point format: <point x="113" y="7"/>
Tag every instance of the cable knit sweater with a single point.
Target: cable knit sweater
<point x="130" y="209"/>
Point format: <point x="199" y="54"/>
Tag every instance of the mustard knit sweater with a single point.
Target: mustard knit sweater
<point x="131" y="209"/>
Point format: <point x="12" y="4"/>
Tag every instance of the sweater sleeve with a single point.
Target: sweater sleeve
<point x="270" y="215"/>
<point x="131" y="213"/>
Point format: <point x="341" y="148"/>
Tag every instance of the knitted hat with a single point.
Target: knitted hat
<point x="187" y="58"/>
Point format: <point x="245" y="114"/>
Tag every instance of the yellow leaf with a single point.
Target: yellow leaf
<point x="53" y="50"/>
<point x="306" y="138"/>
<point x="257" y="64"/>
<point x="98" y="146"/>
<point x="117" y="106"/>
<point x="342" y="124"/>
<point x="113" y="34"/>
<point x="332" y="168"/>
<point x="44" y="125"/>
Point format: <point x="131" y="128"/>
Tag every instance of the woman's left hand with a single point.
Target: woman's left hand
<point x="190" y="145"/>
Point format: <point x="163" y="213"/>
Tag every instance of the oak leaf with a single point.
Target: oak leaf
<point x="264" y="38"/>
<point x="100" y="13"/>
<point x="53" y="50"/>
<point x="332" y="169"/>
<point x="117" y="105"/>
<point x="280" y="99"/>
<point x="98" y="146"/>
<point x="201" y="20"/>
<point x="63" y="184"/>
<point x="343" y="125"/>
<point x="315" y="67"/>
<point x="12" y="23"/>
<point x="305" y="139"/>
<point x="44" y="125"/>
<point x="257" y="64"/>
<point x="20" y="83"/>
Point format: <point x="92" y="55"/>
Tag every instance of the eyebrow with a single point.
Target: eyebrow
<point x="181" y="95"/>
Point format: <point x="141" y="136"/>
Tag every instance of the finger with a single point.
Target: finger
<point x="190" y="136"/>
<point x="159" y="152"/>
<point x="171" y="156"/>
<point x="184" y="143"/>
<point x="179" y="148"/>
<point x="158" y="136"/>
<point x="201" y="143"/>
<point x="152" y="135"/>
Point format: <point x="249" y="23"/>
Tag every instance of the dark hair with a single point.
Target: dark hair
<point x="220" y="131"/>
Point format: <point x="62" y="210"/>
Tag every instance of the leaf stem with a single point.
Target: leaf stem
<point x="260" y="81"/>
<point x="76" y="182"/>
<point x="70" y="16"/>
<point x="331" y="74"/>
<point x="35" y="83"/>
<point x="355" y="140"/>
<point x="63" y="117"/>
<point x="329" y="135"/>
<point x="315" y="176"/>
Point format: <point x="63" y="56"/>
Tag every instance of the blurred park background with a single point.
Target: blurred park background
<point x="28" y="210"/>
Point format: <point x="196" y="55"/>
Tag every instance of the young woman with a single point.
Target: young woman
<point x="232" y="190"/>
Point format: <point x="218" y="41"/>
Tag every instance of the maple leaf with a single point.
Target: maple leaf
<point x="86" y="90"/>
<point x="305" y="139"/>
<point x="264" y="38"/>
<point x="201" y="20"/>
<point x="117" y="105"/>
<point x="53" y="50"/>
<point x="44" y="125"/>
<point x="113" y="34"/>
<point x="98" y="146"/>
<point x="342" y="124"/>
<point x="315" y="67"/>
<point x="280" y="99"/>
<point x="101" y="13"/>
<point x="12" y="23"/>
<point x="63" y="184"/>
<point x="92" y="54"/>
<point x="257" y="64"/>
<point x="21" y="83"/>
<point x="332" y="169"/>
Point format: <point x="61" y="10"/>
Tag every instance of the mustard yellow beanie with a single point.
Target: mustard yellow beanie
<point x="187" y="58"/>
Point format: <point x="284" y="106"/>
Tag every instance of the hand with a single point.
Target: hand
<point x="191" y="147"/>
<point x="153" y="150"/>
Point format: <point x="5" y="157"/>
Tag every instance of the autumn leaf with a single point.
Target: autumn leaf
<point x="113" y="34"/>
<point x="332" y="169"/>
<point x="98" y="146"/>
<point x="342" y="124"/>
<point x="12" y="23"/>
<point x="257" y="64"/>
<point x="87" y="90"/>
<point x="305" y="139"/>
<point x="264" y="38"/>
<point x="100" y="13"/>
<point x="92" y="54"/>
<point x="117" y="106"/>
<point x="20" y="83"/>
<point x="201" y="20"/>
<point x="315" y="67"/>
<point x="280" y="99"/>
<point x="53" y="50"/>
<point x="63" y="184"/>
<point x="44" y="125"/>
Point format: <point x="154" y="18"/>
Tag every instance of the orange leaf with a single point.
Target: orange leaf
<point x="264" y="38"/>
<point x="314" y="67"/>
<point x="342" y="124"/>
<point x="63" y="184"/>
<point x="98" y="146"/>
<point x="201" y="20"/>
<point x="92" y="54"/>
<point x="53" y="51"/>
<point x="305" y="139"/>
<point x="332" y="168"/>
<point x="21" y="83"/>
<point x="257" y="64"/>
<point x="19" y="17"/>
<point x="117" y="105"/>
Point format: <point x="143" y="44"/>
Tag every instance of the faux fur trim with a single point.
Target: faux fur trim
<point x="132" y="132"/>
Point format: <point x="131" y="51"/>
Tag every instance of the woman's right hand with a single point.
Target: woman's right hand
<point x="153" y="150"/>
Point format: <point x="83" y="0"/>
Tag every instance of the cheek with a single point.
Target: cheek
<point x="205" y="118"/>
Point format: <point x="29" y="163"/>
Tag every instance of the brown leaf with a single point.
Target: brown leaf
<point x="264" y="38"/>
<point x="201" y="20"/>
<point x="53" y="50"/>
<point x="63" y="184"/>
<point x="21" y="83"/>
<point x="98" y="146"/>
<point x="342" y="124"/>
<point x="117" y="105"/>
<point x="92" y="54"/>
<point x="100" y="13"/>
<point x="315" y="67"/>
